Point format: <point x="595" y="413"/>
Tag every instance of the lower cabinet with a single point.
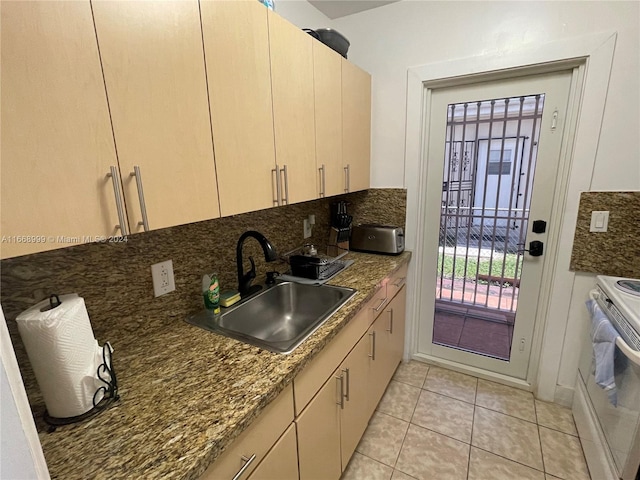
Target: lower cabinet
<point x="318" y="429"/>
<point x="253" y="445"/>
<point x="332" y="424"/>
<point x="317" y="441"/>
<point x="281" y="463"/>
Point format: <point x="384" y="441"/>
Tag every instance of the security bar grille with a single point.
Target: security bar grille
<point x="489" y="164"/>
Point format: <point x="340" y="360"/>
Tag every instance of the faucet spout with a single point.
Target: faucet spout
<point x="245" y="279"/>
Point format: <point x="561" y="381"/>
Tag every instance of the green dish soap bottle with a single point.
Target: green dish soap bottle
<point x="211" y="292"/>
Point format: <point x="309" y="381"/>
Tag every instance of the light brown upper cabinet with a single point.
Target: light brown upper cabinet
<point x="356" y="126"/>
<point x="236" y="44"/>
<point x="327" y="84"/>
<point x="57" y="144"/>
<point x="155" y="78"/>
<point x="293" y="109"/>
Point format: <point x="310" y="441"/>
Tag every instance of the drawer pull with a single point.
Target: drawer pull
<point x="382" y="302"/>
<point x="247" y="462"/>
<point x="373" y="345"/>
<point x="143" y="206"/>
<point x="400" y="282"/>
<point x="115" y="179"/>
<point x="277" y="172"/>
<point x="341" y="381"/>
<point x="390" y="329"/>
<point x="323" y="184"/>
<point x="346" y="395"/>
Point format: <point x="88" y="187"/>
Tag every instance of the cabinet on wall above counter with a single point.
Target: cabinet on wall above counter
<point x="236" y="46"/>
<point x="57" y="145"/>
<point x="122" y="117"/>
<point x="157" y="91"/>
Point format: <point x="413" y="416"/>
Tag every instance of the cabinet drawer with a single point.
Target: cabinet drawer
<point x="397" y="281"/>
<point x="255" y="440"/>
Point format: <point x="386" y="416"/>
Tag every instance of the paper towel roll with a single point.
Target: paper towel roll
<point x="64" y="354"/>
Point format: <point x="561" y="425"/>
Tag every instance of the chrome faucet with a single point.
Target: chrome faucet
<point x="245" y="279"/>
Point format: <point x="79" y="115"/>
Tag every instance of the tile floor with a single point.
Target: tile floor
<point x="434" y="423"/>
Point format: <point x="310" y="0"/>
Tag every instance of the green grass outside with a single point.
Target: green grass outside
<point x="474" y="267"/>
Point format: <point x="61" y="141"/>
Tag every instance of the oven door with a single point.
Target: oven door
<point x="620" y="424"/>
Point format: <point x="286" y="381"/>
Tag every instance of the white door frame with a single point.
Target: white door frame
<point x="591" y="56"/>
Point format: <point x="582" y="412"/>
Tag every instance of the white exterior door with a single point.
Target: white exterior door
<point x="498" y="161"/>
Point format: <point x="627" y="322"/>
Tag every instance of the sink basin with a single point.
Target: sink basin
<point x="279" y="318"/>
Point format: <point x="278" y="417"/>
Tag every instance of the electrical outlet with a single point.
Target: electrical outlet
<point x="162" y="275"/>
<point x="307" y="228"/>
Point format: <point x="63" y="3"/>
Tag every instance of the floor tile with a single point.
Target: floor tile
<point x="444" y="415"/>
<point x="546" y="476"/>
<point x="383" y="438"/>
<point x="556" y="417"/>
<point x="413" y="373"/>
<point x="427" y="455"/>
<point x="487" y="466"/>
<point x="504" y="399"/>
<point x="398" y="475"/>
<point x="399" y="400"/>
<point x="451" y="384"/>
<point x="361" y="467"/>
<point x="563" y="455"/>
<point x="507" y="436"/>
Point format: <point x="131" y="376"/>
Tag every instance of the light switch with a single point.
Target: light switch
<point x="599" y="221"/>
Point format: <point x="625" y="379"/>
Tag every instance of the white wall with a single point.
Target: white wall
<point x="388" y="40"/>
<point x="302" y="14"/>
<point x="21" y="456"/>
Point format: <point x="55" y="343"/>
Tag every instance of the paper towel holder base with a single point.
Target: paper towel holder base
<point x="107" y="375"/>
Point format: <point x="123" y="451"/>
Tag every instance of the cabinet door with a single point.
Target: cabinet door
<point x="281" y="463"/>
<point x="236" y="44"/>
<point x="318" y="428"/>
<point x="356" y="125"/>
<point x="355" y="415"/>
<point x="57" y="144"/>
<point x="327" y="85"/>
<point x="155" y="79"/>
<point x="397" y="311"/>
<point x="293" y="108"/>
<point x="387" y="334"/>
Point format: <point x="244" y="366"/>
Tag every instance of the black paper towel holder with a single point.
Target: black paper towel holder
<point x="106" y="374"/>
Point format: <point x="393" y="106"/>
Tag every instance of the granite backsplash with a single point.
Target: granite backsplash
<point x="115" y="278"/>
<point x="614" y="252"/>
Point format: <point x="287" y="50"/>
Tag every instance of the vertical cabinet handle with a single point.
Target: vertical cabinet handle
<point x="341" y="387"/>
<point x="346" y="178"/>
<point x="143" y="207"/>
<point x="247" y="462"/>
<point x="390" y="329"/>
<point x="286" y="185"/>
<point x="277" y="173"/>
<point x="346" y="372"/>
<point x="115" y="179"/>
<point x="373" y="345"/>
<point x="323" y="185"/>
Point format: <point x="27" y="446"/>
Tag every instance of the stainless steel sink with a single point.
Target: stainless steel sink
<point x="279" y="318"/>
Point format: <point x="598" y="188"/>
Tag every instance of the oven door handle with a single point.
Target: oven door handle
<point x="630" y="353"/>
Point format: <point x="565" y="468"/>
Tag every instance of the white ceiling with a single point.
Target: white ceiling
<point x="342" y="8"/>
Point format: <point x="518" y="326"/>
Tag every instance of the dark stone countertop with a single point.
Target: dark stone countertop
<point x="186" y="394"/>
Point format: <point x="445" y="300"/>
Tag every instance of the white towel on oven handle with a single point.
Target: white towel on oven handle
<point x="603" y="336"/>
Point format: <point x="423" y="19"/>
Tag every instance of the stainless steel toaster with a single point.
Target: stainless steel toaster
<point x="374" y="238"/>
